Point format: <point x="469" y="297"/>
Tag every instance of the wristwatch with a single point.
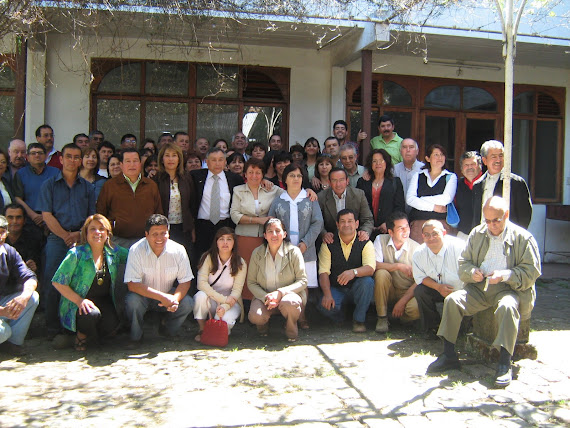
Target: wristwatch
<point x="355" y="273"/>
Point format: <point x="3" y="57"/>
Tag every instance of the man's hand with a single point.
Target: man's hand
<point x="32" y="265"/>
<point x="14" y="307"/>
<point x="72" y="239"/>
<point x="169" y="302"/>
<point x="303" y="247"/>
<point x="361" y="136"/>
<point x="316" y="183"/>
<point x="86" y="306"/>
<point x="363" y="236"/>
<point x="366" y="175"/>
<point x="311" y="195"/>
<point x="327" y="302"/>
<point x="382" y="228"/>
<point x="405" y="269"/>
<point x="399" y="308"/>
<point x="440" y="208"/>
<point x="345" y="277"/>
<point x="266" y="184"/>
<point x="328" y="238"/>
<point x="495" y="277"/>
<point x="477" y="275"/>
<point x="37" y="219"/>
<point x="445" y="290"/>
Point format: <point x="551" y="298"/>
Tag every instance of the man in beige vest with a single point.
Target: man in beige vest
<point x="394" y="280"/>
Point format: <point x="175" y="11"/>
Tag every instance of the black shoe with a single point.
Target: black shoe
<point x="503" y="376"/>
<point x="444" y="363"/>
<point x="12" y="349"/>
<point x="133" y="344"/>
<point x="429" y="334"/>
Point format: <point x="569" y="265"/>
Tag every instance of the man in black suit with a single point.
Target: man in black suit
<point x="338" y="197"/>
<point x="491" y="184"/>
<point x="214" y="188"/>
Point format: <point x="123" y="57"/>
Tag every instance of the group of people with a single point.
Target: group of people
<point x="299" y="227"/>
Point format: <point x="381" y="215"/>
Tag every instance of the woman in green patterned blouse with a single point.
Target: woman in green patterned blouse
<point x="86" y="281"/>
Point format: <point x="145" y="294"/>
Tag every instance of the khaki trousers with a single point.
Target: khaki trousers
<point x="473" y="299"/>
<point x="289" y="307"/>
<point x="385" y="293"/>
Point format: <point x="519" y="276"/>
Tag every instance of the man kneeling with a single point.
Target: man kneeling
<point x="346" y="267"/>
<point x="394" y="280"/>
<point x="154" y="266"/>
<point x="499" y="266"/>
<point x="18" y="297"/>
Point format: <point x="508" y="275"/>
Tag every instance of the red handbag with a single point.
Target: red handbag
<point x="215" y="333"/>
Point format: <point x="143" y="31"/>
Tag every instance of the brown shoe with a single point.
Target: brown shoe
<point x="382" y="325"/>
<point x="358" y="327"/>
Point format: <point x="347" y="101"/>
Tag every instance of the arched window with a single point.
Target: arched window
<point x="214" y="101"/>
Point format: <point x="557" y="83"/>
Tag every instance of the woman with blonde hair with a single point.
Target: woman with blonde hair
<point x="86" y="280"/>
<point x="177" y="194"/>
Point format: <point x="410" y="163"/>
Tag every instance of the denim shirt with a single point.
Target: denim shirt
<point x="69" y="205"/>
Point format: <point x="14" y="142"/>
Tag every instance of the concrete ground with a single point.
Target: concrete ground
<point x="330" y="377"/>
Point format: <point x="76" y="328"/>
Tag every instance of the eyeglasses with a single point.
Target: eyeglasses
<point x="37" y="153"/>
<point x="495" y="220"/>
<point x="431" y="235"/>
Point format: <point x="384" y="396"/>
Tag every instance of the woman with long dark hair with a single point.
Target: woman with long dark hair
<point x="221" y="276"/>
<point x="383" y="191"/>
<point x="430" y="191"/>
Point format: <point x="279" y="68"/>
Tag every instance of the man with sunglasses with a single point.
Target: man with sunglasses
<point x="500" y="265"/>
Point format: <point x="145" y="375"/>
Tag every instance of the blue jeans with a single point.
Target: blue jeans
<point x="359" y="294"/>
<point x="137" y="306"/>
<point x="55" y="251"/>
<point x="15" y="331"/>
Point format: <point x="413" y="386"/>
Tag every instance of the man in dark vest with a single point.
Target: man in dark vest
<point x="346" y="267"/>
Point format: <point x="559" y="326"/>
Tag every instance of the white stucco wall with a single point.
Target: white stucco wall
<point x="68" y="79"/>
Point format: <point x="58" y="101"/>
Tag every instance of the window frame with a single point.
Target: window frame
<point x="279" y="75"/>
<point x="419" y="86"/>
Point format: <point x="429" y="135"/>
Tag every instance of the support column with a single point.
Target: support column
<point x="35" y="89"/>
<point x="366" y="102"/>
<point x="20" y="99"/>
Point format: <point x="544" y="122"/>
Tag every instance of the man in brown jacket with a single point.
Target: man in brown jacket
<point x="128" y="200"/>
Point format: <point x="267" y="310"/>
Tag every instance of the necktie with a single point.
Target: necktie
<point x="215" y="201"/>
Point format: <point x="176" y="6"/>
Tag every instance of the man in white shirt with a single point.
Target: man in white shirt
<point x="394" y="280"/>
<point x="213" y="213"/>
<point x="405" y="170"/>
<point x="435" y="267"/>
<point x="158" y="275"/>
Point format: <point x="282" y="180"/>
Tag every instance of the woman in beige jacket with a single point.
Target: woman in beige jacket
<point x="277" y="280"/>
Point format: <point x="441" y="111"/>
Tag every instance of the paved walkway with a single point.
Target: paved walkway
<point x="330" y="377"/>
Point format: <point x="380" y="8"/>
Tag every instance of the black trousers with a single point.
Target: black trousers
<point x="98" y="324"/>
<point x="427" y="298"/>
